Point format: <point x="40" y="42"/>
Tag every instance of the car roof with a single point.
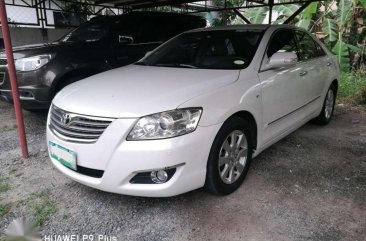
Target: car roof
<point x="143" y="14"/>
<point x="262" y="27"/>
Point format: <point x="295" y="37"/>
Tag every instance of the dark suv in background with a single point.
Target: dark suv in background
<point x="101" y="44"/>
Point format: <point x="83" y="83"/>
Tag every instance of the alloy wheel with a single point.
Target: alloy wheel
<point x="233" y="156"/>
<point x="329" y="104"/>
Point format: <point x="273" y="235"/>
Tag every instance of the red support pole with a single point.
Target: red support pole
<point x="13" y="79"/>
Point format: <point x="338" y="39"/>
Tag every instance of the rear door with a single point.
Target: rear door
<point x="142" y="39"/>
<point x="282" y="88"/>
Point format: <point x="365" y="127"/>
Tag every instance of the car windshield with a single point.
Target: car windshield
<point x="88" y="32"/>
<point x="217" y="49"/>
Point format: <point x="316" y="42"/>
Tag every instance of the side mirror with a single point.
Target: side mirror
<point x="279" y="60"/>
<point x="125" y="39"/>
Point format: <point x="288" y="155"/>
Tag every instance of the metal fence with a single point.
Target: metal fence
<point x="55" y="13"/>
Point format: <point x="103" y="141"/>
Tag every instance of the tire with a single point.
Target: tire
<point x="233" y="159"/>
<point x="326" y="114"/>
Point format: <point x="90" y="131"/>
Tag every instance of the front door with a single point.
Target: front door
<point x="282" y="88"/>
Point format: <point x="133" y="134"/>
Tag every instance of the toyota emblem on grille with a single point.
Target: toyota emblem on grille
<point x="65" y="119"/>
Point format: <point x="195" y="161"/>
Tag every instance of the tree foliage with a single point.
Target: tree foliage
<point x="340" y="24"/>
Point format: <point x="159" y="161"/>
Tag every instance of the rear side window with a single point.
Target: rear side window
<point x="308" y="49"/>
<point x="282" y="41"/>
<point x="321" y="51"/>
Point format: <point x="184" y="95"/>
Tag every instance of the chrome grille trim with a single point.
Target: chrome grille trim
<point x="3" y="62"/>
<point x="77" y="128"/>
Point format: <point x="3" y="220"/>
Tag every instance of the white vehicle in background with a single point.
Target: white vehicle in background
<point x="194" y="112"/>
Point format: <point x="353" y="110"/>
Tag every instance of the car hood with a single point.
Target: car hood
<point x="49" y="48"/>
<point x="31" y="50"/>
<point x="135" y="91"/>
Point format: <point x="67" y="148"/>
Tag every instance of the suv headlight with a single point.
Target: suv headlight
<point x="166" y="124"/>
<point x="32" y="63"/>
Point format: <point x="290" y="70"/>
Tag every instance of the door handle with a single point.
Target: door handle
<point x="303" y="73"/>
<point x="329" y="64"/>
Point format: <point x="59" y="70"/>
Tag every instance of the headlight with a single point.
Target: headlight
<point x="166" y="124"/>
<point x="32" y="63"/>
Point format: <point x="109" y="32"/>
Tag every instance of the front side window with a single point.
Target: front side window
<point x="219" y="49"/>
<point x="307" y="48"/>
<point x="283" y="41"/>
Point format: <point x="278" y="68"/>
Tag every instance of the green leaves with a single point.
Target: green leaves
<point x="307" y="15"/>
<point x="363" y="3"/>
<point x="285" y="10"/>
<point x="303" y="23"/>
<point x="341" y="50"/>
<point x="309" y="11"/>
<point x="256" y="15"/>
<point x="330" y="29"/>
<point x="344" y="12"/>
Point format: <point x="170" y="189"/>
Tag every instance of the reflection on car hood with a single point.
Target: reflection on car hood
<point x="136" y="91"/>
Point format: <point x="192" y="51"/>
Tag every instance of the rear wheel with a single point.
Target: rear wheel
<point x="328" y="107"/>
<point x="229" y="158"/>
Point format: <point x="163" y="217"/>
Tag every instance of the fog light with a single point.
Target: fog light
<point x="26" y="94"/>
<point x="160" y="176"/>
<point x="154" y="176"/>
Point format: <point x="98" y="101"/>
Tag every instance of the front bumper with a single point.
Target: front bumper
<point x="30" y="97"/>
<point x="121" y="160"/>
<point x="34" y="94"/>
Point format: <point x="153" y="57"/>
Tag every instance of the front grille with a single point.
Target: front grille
<point x="77" y="128"/>
<point x="3" y="62"/>
<point x="2" y="78"/>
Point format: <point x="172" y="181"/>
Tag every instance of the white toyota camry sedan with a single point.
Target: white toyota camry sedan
<point x="192" y="113"/>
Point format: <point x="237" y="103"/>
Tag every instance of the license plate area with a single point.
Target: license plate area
<point x="63" y="155"/>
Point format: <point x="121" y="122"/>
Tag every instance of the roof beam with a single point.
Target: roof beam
<point x="298" y="11"/>
<point x="160" y="4"/>
<point x="106" y="1"/>
<point x="132" y="2"/>
<point x="241" y="16"/>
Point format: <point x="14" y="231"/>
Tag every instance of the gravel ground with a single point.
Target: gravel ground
<point x="309" y="186"/>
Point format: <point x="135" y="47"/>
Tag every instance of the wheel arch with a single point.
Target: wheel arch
<point x="249" y="117"/>
<point x="336" y="85"/>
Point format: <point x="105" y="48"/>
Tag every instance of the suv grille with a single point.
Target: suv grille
<point x="77" y="128"/>
<point x="2" y="78"/>
<point x="3" y="62"/>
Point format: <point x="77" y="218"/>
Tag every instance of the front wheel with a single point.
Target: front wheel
<point x="229" y="158"/>
<point x="328" y="107"/>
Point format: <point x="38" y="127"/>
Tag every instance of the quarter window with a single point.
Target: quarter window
<point x="321" y="51"/>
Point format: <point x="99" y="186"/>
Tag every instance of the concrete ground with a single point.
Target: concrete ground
<point x="309" y="186"/>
